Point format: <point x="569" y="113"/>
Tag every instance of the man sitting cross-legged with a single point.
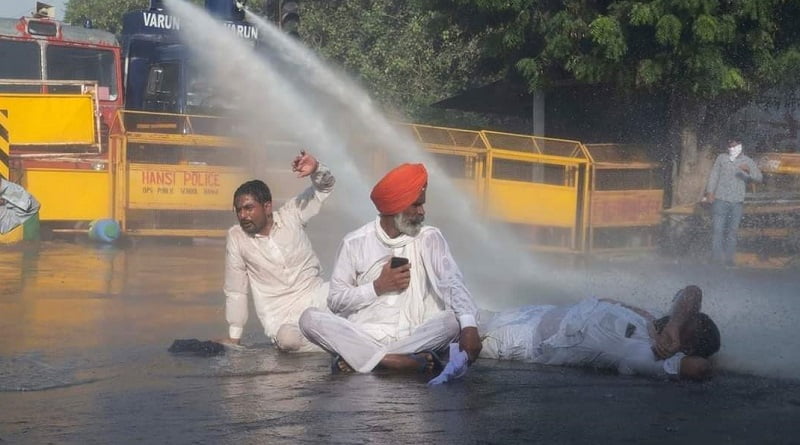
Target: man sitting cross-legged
<point x="395" y="318"/>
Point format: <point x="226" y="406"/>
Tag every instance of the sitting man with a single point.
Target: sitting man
<point x="16" y="205"/>
<point x="270" y="254"/>
<point x="608" y="334"/>
<point x="390" y="315"/>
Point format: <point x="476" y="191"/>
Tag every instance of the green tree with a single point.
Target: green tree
<point x="708" y="57"/>
<point x="104" y="14"/>
<point x="403" y="54"/>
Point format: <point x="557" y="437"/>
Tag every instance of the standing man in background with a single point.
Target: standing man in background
<point x="270" y="254"/>
<point x="725" y="192"/>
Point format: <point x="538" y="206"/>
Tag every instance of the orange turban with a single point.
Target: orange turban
<point x="399" y="188"/>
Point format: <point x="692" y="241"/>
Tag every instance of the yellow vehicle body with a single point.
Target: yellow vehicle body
<point x="69" y="194"/>
<point x="54" y="150"/>
<point x="156" y="175"/>
<point x="51" y="120"/>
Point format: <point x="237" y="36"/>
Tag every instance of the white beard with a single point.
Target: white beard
<point x="405" y="226"/>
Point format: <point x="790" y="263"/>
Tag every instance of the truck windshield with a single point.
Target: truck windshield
<point x="71" y="63"/>
<point x="202" y="97"/>
<point x="26" y="64"/>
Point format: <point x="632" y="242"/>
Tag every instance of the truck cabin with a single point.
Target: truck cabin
<point x="46" y="51"/>
<point x="160" y="74"/>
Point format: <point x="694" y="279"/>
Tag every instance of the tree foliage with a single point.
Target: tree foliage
<point x="704" y="47"/>
<point x="104" y="14"/>
<point x="403" y="54"/>
<point x="706" y="56"/>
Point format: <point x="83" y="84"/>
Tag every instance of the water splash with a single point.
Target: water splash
<point x="288" y="92"/>
<point x="289" y="85"/>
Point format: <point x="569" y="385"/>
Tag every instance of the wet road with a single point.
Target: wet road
<point x="83" y="338"/>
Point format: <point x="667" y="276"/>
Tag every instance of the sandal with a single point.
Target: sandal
<point x="339" y="366"/>
<point x="425" y="363"/>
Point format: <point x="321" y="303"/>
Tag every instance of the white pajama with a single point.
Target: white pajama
<point x="361" y="351"/>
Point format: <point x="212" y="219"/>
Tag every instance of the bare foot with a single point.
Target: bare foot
<point x="422" y="362"/>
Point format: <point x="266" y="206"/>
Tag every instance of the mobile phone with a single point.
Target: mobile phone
<point x="398" y="261"/>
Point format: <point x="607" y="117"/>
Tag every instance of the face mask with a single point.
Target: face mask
<point x="735" y="151"/>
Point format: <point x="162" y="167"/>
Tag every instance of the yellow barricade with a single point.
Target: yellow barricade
<point x="627" y="198"/>
<point x="538" y="186"/>
<point x="173" y="174"/>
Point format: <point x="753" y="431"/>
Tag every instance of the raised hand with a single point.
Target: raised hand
<point x="304" y="164"/>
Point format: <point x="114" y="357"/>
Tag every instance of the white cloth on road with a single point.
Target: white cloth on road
<point x="281" y="270"/>
<point x="18" y="207"/>
<point x="456" y="368"/>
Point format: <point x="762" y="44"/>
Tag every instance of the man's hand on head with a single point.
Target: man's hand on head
<point x="470" y="342"/>
<point x="304" y="164"/>
<point x="667" y="342"/>
<point x="392" y="279"/>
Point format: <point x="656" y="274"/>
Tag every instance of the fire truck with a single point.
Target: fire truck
<point x="60" y="89"/>
<point x="161" y="165"/>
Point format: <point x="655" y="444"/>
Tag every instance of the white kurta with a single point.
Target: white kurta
<point x="436" y="282"/>
<point x="18" y="207"/>
<point x="426" y="316"/>
<point x="281" y="269"/>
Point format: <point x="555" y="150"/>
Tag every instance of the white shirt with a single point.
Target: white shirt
<point x="439" y="281"/>
<point x="281" y="269"/>
<point x="18" y="207"/>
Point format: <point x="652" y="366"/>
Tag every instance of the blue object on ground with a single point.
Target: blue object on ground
<point x="104" y="230"/>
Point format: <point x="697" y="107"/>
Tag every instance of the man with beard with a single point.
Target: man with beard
<point x="270" y="253"/>
<point x="396" y="293"/>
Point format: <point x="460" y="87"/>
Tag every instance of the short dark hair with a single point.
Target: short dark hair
<point x="706" y="341"/>
<point x="255" y="188"/>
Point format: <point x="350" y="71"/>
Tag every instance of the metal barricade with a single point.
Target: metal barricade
<point x="626" y="196"/>
<point x="538" y="187"/>
<point x="175" y="174"/>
